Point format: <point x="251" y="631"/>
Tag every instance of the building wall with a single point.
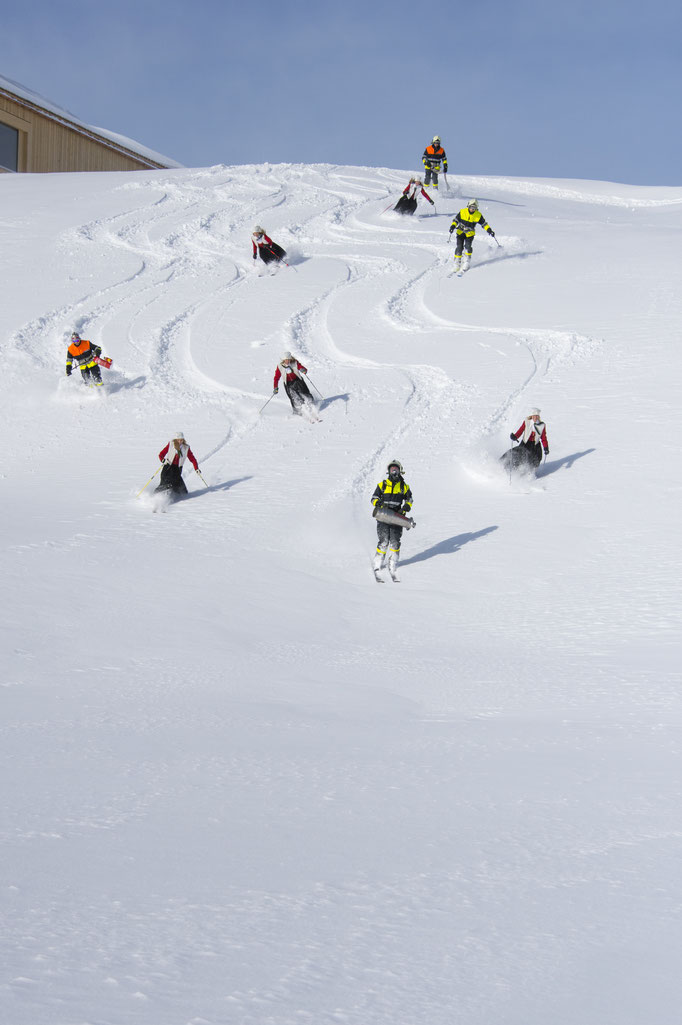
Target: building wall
<point x="47" y="143"/>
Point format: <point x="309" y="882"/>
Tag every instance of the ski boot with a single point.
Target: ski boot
<point x="393" y="566"/>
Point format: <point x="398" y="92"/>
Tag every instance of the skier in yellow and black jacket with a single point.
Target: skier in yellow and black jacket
<point x="392" y="493"/>
<point x="464" y="224"/>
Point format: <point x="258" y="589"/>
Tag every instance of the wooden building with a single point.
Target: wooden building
<point x="36" y="136"/>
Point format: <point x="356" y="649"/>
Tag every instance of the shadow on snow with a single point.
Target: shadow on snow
<point x="225" y="486"/>
<point x="504" y="256"/>
<point x="334" y="398"/>
<point x="114" y="386"/>
<point x="557" y="464"/>
<point x="453" y="544"/>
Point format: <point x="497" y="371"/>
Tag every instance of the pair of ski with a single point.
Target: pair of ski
<point x="309" y="412"/>
<point x="380" y="580"/>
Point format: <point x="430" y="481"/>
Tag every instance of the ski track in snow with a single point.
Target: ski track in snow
<point x="173" y="254"/>
<point x="179" y="250"/>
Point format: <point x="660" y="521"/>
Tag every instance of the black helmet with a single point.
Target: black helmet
<point x="74" y="336"/>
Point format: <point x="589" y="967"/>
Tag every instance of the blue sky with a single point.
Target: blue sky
<point x="527" y="88"/>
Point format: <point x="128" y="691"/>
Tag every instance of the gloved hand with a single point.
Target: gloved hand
<point x="432" y="202"/>
<point x="68" y="371"/>
<point x="255" y="255"/>
<point x="491" y="232"/>
<point x="452" y="228"/>
<point x="378" y="504"/>
<point x="513" y="437"/>
<point x="275" y="390"/>
<point x="546" y="451"/>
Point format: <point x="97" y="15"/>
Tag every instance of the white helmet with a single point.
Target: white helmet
<point x="287" y="355"/>
<point x="472" y="204"/>
<point x="435" y="139"/>
<point x="535" y="412"/>
<point x="258" y="230"/>
<point x="395" y="462"/>
<point x="179" y="436"/>
<point x="417" y="179"/>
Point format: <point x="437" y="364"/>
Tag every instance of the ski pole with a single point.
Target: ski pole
<point x="316" y="388"/>
<point x="269" y="400"/>
<point x="148" y="482"/>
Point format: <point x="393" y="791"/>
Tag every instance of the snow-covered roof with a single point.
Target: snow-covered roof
<point x="61" y="114"/>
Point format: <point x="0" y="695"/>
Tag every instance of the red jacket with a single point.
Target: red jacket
<point x="177" y="461"/>
<point x="533" y="433"/>
<point x="291" y="374"/>
<point x="414" y="187"/>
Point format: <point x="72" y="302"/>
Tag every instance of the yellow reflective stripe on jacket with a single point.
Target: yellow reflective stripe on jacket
<point x="464" y="217"/>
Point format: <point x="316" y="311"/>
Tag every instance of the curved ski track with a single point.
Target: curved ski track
<point x="180" y="254"/>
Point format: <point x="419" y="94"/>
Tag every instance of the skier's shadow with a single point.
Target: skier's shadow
<point x="453" y="544"/>
<point x="334" y="398"/>
<point x="567" y="462"/>
<point x="138" y="382"/>
<point x="225" y="486"/>
<point x="506" y="256"/>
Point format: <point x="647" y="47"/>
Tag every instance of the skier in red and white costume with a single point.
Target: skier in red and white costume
<point x="407" y="204"/>
<point x="297" y="390"/>
<point x="533" y="437"/>
<point x="264" y="247"/>
<point x="173" y="456"/>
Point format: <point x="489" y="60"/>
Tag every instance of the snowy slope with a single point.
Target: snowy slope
<point x="242" y="783"/>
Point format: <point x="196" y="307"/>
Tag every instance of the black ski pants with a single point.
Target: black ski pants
<point x="525" y="456"/>
<point x="91" y="374"/>
<point x="270" y="254"/>
<point x="171" y="480"/>
<point x="431" y="176"/>
<point x="405" y="205"/>
<point x="388" y="534"/>
<point x="298" y="393"/>
<point x="463" y="242"/>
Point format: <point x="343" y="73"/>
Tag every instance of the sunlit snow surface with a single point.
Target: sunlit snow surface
<point x="242" y="784"/>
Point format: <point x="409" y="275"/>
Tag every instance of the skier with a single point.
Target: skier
<point x="82" y="352"/>
<point x="264" y="247"/>
<point x="465" y="222"/>
<point x="173" y="456"/>
<point x="533" y="437"/>
<point x="407" y="204"/>
<point x="294" y="385"/>
<point x="394" y="494"/>
<point x="434" y="155"/>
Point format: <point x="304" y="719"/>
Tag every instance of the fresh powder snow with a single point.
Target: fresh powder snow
<point x="242" y="784"/>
